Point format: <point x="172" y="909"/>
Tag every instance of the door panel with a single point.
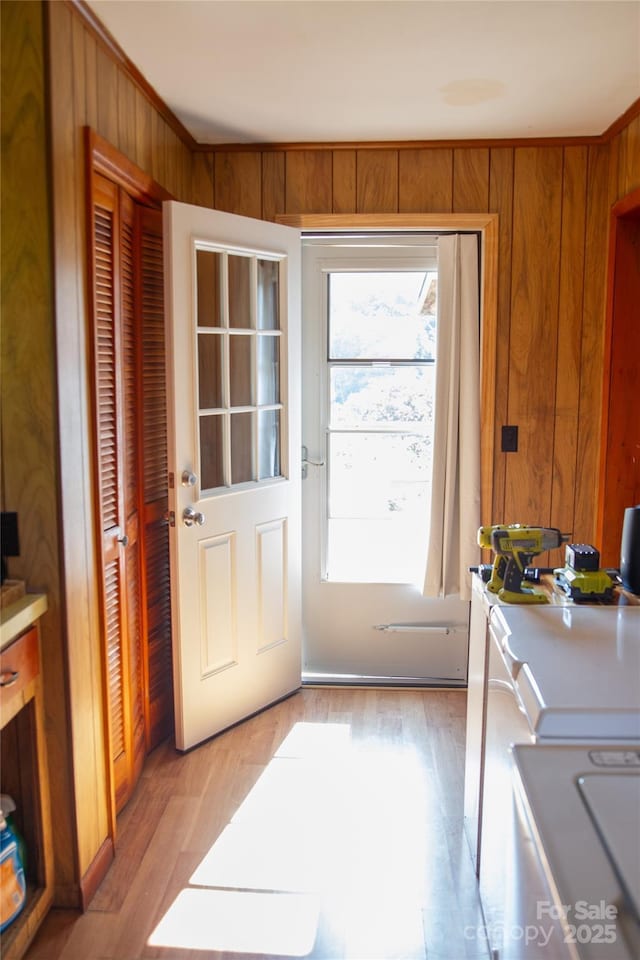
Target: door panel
<point x="153" y="469"/>
<point x="114" y="337"/>
<point x="234" y="388"/>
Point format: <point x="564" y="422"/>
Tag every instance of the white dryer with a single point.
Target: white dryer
<point x="576" y="843"/>
<point x="555" y="675"/>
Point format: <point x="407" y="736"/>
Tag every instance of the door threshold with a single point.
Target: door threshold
<point x="310" y="679"/>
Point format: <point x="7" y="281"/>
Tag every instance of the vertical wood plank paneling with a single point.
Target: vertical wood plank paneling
<point x="82" y="654"/>
<point x="470" y="180"/>
<point x="186" y="162"/>
<point x="534" y="327"/>
<point x="29" y="434"/>
<point x="308" y="181"/>
<point x="377" y="181"/>
<point x="91" y="79"/>
<point x="202" y="192"/>
<point x="156" y="147"/>
<point x="107" y="78"/>
<point x="273" y="190"/>
<point x="143" y="155"/>
<point x="631" y="172"/>
<point x="501" y="202"/>
<point x="565" y="437"/>
<point x="78" y="37"/>
<point x="591" y="361"/>
<point x="344" y="181"/>
<point x="425" y="181"/>
<point x="126" y="116"/>
<point x="172" y="182"/>
<point x="614" y="171"/>
<point x="238" y="181"/>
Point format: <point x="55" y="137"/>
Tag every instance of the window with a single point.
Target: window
<point x="379" y="382"/>
<point x="239" y="342"/>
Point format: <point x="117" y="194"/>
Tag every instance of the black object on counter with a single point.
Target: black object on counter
<point x="630" y="550"/>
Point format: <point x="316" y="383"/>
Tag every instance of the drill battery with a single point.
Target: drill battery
<point x="581" y="578"/>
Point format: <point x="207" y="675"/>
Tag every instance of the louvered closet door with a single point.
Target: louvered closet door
<point x="132" y="635"/>
<point x="117" y="469"/>
<point x="156" y="575"/>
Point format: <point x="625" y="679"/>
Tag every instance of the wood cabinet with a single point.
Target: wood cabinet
<point x="24" y="772"/>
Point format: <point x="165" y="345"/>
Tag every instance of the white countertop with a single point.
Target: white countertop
<point x="576" y="669"/>
<point x="19" y="616"/>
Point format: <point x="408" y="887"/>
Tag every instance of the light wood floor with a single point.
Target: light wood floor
<point x="329" y="826"/>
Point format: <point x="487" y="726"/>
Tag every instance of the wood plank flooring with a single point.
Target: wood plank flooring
<point x="329" y="826"/>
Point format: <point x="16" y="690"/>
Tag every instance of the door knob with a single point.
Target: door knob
<point x="191" y="517"/>
<point x="124" y="540"/>
<point x="188" y="479"/>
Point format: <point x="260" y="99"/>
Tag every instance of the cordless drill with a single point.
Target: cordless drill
<point x="494" y="584"/>
<point x="518" y="545"/>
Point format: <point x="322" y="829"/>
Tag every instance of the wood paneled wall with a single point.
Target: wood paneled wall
<point x="88" y="87"/>
<point x="29" y="425"/>
<point x="552" y="202"/>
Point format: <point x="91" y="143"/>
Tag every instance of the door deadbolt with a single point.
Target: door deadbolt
<point x="188" y="479"/>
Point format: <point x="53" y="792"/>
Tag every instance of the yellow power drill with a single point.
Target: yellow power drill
<point x="518" y="545"/>
<point x="499" y="561"/>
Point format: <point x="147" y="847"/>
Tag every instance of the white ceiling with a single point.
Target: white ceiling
<point x="259" y="71"/>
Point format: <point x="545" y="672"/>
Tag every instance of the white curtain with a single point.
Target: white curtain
<point x="455" y="496"/>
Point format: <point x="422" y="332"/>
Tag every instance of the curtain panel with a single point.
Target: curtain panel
<point x="455" y="496"/>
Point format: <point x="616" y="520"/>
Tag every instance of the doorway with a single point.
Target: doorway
<point x="620" y="444"/>
<point x="369" y="356"/>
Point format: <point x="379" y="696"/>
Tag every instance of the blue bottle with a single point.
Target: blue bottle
<point x="13" y="888"/>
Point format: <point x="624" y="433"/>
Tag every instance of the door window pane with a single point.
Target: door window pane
<point x="240" y="369"/>
<point x="268" y="370"/>
<point x="241" y="447"/>
<point x="398" y="396"/>
<point x="268" y="295"/>
<point x="239" y="291"/>
<point x="378" y="506"/>
<point x="379" y="474"/>
<point x="268" y="444"/>
<point x="209" y="370"/>
<point x="382" y="315"/>
<point x="208" y="288"/>
<point x="211" y="451"/>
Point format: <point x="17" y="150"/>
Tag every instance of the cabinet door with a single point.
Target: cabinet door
<point x="156" y="583"/>
<point x="114" y="339"/>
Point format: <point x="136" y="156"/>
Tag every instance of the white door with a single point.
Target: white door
<point x="368" y="374"/>
<point x="233" y="339"/>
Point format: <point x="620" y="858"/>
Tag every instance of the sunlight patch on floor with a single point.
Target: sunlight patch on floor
<point x="320" y="827"/>
<point x="239" y="921"/>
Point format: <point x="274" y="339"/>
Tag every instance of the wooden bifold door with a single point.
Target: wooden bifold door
<point x="127" y="321"/>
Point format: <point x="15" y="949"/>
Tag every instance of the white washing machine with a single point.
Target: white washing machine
<point x="576" y="843"/>
<point x="555" y="675"/>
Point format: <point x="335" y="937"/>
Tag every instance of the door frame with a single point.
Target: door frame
<point x="486" y="225"/>
<point x="608" y="530"/>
